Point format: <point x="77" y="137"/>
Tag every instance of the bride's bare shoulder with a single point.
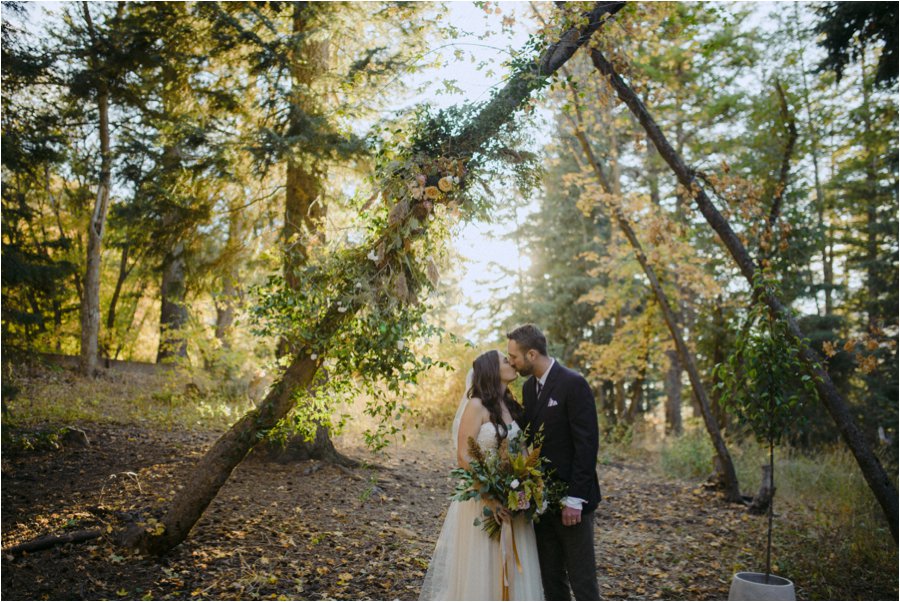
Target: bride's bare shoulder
<point x="476" y="406"/>
<point x="476" y="402"/>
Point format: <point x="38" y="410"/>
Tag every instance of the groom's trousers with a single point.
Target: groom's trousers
<point x="567" y="558"/>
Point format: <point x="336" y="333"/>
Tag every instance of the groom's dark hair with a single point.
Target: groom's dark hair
<point x="529" y="336"/>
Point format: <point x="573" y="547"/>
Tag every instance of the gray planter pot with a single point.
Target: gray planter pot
<point x="753" y="586"/>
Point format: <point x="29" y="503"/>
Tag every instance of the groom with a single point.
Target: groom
<point x="560" y="400"/>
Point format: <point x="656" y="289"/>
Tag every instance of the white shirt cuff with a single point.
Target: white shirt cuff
<point x="575" y="503"/>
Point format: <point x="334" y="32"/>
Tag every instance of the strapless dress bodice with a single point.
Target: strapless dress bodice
<point x="487" y="435"/>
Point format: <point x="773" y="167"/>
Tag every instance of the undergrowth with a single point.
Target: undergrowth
<point x="169" y="399"/>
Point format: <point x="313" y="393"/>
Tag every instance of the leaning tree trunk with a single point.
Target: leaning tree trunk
<point x="732" y="488"/>
<point x="216" y="465"/>
<point x="870" y="466"/>
<point x="213" y="470"/>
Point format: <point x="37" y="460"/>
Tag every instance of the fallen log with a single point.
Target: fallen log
<point x="45" y="542"/>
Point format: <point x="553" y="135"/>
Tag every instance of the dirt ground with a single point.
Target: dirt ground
<point x="312" y="531"/>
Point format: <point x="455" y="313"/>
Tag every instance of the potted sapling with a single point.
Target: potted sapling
<point x="761" y="383"/>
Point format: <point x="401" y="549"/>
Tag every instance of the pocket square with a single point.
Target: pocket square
<point x="552" y="403"/>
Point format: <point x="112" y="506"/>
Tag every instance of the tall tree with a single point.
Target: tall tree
<point x="102" y="76"/>
<point x="319" y="60"/>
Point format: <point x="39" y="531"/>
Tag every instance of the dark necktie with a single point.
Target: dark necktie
<point x="539" y="387"/>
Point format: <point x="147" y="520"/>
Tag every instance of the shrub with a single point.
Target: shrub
<point x="688" y="456"/>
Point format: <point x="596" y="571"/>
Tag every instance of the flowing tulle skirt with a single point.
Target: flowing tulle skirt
<point x="467" y="565"/>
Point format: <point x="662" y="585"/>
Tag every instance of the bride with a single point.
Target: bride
<point x="467" y="564"/>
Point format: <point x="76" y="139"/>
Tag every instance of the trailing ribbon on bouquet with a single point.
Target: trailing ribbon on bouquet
<point x="507" y="545"/>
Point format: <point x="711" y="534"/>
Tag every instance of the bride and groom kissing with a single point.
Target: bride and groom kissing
<point x="555" y="553"/>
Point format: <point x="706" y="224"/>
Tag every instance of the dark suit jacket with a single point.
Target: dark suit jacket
<point x="568" y="413"/>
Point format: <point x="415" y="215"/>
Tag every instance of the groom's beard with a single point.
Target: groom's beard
<point x="526" y="370"/>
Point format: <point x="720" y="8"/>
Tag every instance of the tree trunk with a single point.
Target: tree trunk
<point x="620" y="400"/>
<point x="874" y="281"/>
<point x="173" y="316"/>
<point x="120" y="280"/>
<point x="732" y="487"/>
<point x="114" y="302"/>
<point x="763" y="498"/>
<point x="879" y="481"/>
<point x="768" y="242"/>
<point x="226" y="302"/>
<point x="213" y="470"/>
<point x="814" y="137"/>
<point x="304" y="203"/>
<point x="174" y="313"/>
<point x="225" y="308"/>
<point x="672" y="387"/>
<point x="304" y="206"/>
<point x="637" y="387"/>
<point x="298" y="449"/>
<point x="637" y="396"/>
<point x="90" y="307"/>
<point x="108" y="352"/>
<point x="828" y="271"/>
<point x="216" y="465"/>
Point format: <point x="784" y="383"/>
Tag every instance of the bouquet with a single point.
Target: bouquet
<point x="515" y="475"/>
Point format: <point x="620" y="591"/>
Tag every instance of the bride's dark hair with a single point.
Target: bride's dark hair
<point x="487" y="387"/>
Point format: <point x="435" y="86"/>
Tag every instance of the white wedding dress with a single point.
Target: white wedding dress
<point x="467" y="564"/>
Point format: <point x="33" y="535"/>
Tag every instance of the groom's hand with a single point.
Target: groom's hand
<point x="570" y="516"/>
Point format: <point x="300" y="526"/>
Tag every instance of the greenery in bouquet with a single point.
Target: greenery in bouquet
<point x="515" y="476"/>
